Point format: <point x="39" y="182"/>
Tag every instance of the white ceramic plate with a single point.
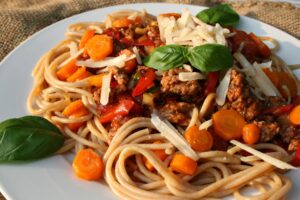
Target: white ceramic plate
<point x="53" y="178"/>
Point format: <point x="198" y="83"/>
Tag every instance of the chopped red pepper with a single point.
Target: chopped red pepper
<point x="113" y="32"/>
<point x="145" y="82"/>
<point x="296" y="161"/>
<point x="121" y="109"/>
<point x="262" y="47"/>
<point x="211" y="83"/>
<point x="280" y="110"/>
<point x="147" y="42"/>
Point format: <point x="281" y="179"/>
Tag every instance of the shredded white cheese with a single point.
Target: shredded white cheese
<point x="71" y="58"/>
<point x="222" y="89"/>
<point x="97" y="29"/>
<point x="105" y="89"/>
<point x="259" y="77"/>
<point x="190" y="76"/>
<point x="73" y="48"/>
<point x="137" y="55"/>
<point x="187" y="67"/>
<point x="205" y="125"/>
<point x="118" y="61"/>
<point x="189" y="30"/>
<point x="170" y="132"/>
<point x="274" y="161"/>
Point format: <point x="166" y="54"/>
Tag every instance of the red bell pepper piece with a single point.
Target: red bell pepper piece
<point x="262" y="47"/>
<point x="113" y="33"/>
<point x="296" y="161"/>
<point x="211" y="83"/>
<point x="145" y="82"/>
<point x="121" y="109"/>
<point x="147" y="42"/>
<point x="280" y="110"/>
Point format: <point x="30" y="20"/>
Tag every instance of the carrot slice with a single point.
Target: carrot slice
<point x="96" y="80"/>
<point x="251" y="133"/>
<point x="228" y="124"/>
<point x="200" y="140"/>
<point x="294" y="115"/>
<point x="88" y="165"/>
<point x="80" y="74"/>
<point x="289" y="82"/>
<point x="67" y="70"/>
<point x="99" y="47"/>
<point x="273" y="76"/>
<point x="183" y="164"/>
<point x="86" y="37"/>
<point x="122" y="23"/>
<point x="175" y="15"/>
<point x="160" y="153"/>
<point x="75" y="109"/>
<point x="130" y="65"/>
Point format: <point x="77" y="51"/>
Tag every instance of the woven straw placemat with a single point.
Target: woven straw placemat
<point x="21" y="18"/>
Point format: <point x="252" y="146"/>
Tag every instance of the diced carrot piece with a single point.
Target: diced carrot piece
<point x="88" y="165"/>
<point x="289" y="82"/>
<point x="96" y="80"/>
<point x="160" y="153"/>
<point x="251" y="133"/>
<point x="80" y="74"/>
<point x="200" y="140"/>
<point x="122" y="23"/>
<point x="183" y="164"/>
<point x="294" y="116"/>
<point x="175" y="15"/>
<point x="99" y="47"/>
<point x="228" y="124"/>
<point x="75" y="108"/>
<point x="130" y="65"/>
<point x="273" y="76"/>
<point x="67" y="70"/>
<point x="86" y="37"/>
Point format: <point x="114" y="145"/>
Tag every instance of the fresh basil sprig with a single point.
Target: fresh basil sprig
<point x="28" y="138"/>
<point x="210" y="57"/>
<point x="167" y="57"/>
<point x="206" y="58"/>
<point x="222" y="14"/>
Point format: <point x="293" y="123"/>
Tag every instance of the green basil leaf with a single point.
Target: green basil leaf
<point x="167" y="57"/>
<point x="28" y="138"/>
<point x="210" y="57"/>
<point x="222" y="14"/>
<point x="39" y="122"/>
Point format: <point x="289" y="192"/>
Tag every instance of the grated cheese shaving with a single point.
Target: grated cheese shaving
<point x="190" y="76"/>
<point x="205" y="125"/>
<point x="222" y="89"/>
<point x="187" y="67"/>
<point x="168" y="130"/>
<point x="189" y="30"/>
<point x="71" y="58"/>
<point x="73" y="48"/>
<point x="274" y="161"/>
<point x="137" y="55"/>
<point x="105" y="89"/>
<point x="118" y="61"/>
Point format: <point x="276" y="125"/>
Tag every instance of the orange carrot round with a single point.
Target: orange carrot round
<point x="81" y="73"/>
<point x="99" y="47"/>
<point x="160" y="153"/>
<point x="86" y="37"/>
<point x="200" y="140"/>
<point x="228" y="124"/>
<point x="294" y="115"/>
<point x="67" y="70"/>
<point x="88" y="165"/>
<point x="130" y="65"/>
<point x="183" y="164"/>
<point x="122" y="22"/>
<point x="251" y="133"/>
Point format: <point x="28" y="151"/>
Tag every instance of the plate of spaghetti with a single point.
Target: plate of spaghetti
<point x="148" y="101"/>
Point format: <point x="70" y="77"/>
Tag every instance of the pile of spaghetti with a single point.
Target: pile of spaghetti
<point x="172" y="107"/>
